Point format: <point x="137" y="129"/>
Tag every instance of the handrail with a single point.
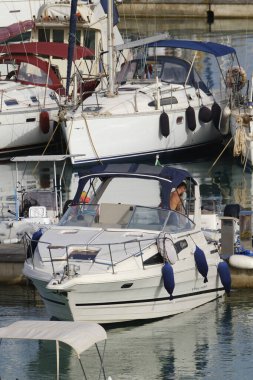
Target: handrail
<point x="91" y="247"/>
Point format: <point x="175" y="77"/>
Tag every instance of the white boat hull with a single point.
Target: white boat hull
<point x="130" y="136"/>
<point x="20" y="124"/>
<point x="17" y="134"/>
<point x="146" y="298"/>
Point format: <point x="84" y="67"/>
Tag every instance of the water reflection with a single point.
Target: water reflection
<point x="147" y="26"/>
<point x="174" y="348"/>
<point x="212" y="341"/>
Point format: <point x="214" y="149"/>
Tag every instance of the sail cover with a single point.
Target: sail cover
<point x="15" y="30"/>
<point x="56" y="49"/>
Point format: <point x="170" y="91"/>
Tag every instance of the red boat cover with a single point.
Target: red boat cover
<point x="35" y="61"/>
<point x="56" y="49"/>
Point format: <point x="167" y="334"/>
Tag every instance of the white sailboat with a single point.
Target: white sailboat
<point x="126" y="256"/>
<point x="30" y="91"/>
<point x="27" y="110"/>
<point x="156" y="104"/>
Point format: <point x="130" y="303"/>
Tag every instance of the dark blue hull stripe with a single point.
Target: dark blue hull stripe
<point x="136" y="301"/>
<point x="168" y="152"/>
<point x="150" y="300"/>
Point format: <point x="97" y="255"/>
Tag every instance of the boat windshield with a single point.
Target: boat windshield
<point x="168" y="68"/>
<point x="108" y="215"/>
<point x="32" y="74"/>
<point x="159" y="219"/>
<point x="80" y="215"/>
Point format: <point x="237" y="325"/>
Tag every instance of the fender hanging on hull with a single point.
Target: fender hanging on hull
<point x="164" y="124"/>
<point x="225" y="277"/>
<point x="216" y="115"/>
<point x="205" y="114"/>
<point x="201" y="263"/>
<point x="44" y="122"/>
<point x="168" y="279"/>
<point x="190" y="118"/>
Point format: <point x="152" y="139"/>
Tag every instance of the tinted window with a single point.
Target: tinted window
<point x="11" y="102"/>
<point x="44" y="35"/>
<point x="58" y="35"/>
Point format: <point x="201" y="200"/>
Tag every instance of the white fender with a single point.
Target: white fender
<point x="241" y="261"/>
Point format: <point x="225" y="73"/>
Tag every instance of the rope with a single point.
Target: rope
<point x="62" y="118"/>
<point x="223" y="150"/>
<point x="49" y="141"/>
<point x="240" y="140"/>
<point x="90" y="138"/>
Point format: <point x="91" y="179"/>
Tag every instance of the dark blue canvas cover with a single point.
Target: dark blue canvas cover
<point x="218" y="50"/>
<point x="169" y="177"/>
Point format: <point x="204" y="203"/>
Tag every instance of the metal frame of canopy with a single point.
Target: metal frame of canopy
<point x="160" y="41"/>
<point x="78" y="335"/>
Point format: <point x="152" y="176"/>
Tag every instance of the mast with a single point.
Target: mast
<point x="110" y="38"/>
<point x="72" y="40"/>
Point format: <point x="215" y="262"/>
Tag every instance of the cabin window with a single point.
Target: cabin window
<point x="156" y="259"/>
<point x="78" y="37"/>
<point x="44" y="35"/>
<point x="34" y="99"/>
<point x="11" y="102"/>
<point x="89" y="39"/>
<point x="180" y="245"/>
<point x="164" y="102"/>
<point x="58" y="35"/>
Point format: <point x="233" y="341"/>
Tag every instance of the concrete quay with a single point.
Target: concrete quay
<point x="222" y="9"/>
<point x="12" y="257"/>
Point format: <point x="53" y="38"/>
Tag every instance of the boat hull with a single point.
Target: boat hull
<point x="102" y="139"/>
<point x="130" y="299"/>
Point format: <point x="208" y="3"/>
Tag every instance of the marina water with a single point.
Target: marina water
<point x="210" y="342"/>
<point x="214" y="341"/>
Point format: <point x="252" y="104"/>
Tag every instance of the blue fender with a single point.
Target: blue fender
<point x="225" y="276"/>
<point x="168" y="279"/>
<point x="201" y="263"/>
<point x="34" y="242"/>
